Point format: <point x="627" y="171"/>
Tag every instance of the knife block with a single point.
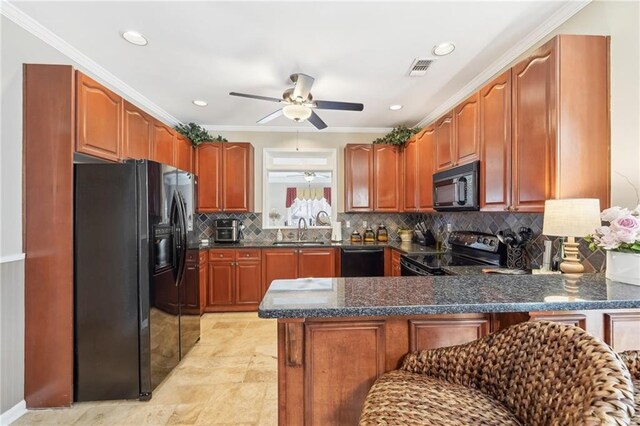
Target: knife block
<point x="517" y="258"/>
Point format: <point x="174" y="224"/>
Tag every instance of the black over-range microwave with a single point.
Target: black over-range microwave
<point x="457" y="189"/>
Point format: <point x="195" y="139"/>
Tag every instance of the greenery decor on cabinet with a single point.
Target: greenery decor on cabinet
<point x="398" y="136"/>
<point x="197" y="134"/>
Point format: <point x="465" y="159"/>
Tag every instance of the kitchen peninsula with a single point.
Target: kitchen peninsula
<point x="337" y="335"/>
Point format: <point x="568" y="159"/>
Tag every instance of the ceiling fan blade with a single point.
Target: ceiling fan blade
<point x="267" y="118"/>
<point x="342" y="106"/>
<point x="262" y="98"/>
<point x="303" y="86"/>
<point x="317" y="121"/>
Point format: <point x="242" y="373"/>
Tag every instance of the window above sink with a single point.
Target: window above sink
<point x="299" y="184"/>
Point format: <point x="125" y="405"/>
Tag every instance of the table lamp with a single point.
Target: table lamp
<point x="571" y="218"/>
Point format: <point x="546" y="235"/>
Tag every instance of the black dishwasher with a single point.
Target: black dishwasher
<point x="362" y="261"/>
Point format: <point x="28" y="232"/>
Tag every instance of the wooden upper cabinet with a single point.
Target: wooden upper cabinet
<point x="136" y="140"/>
<point x="163" y="143"/>
<point x="534" y="132"/>
<point x="183" y="153"/>
<point x="237" y="177"/>
<point x="495" y="144"/>
<point x="316" y="263"/>
<point x="466" y="137"/>
<point x="209" y="171"/>
<point x="411" y="171"/>
<point x="426" y="149"/>
<point x="99" y="116"/>
<point x="387" y="178"/>
<point x="444" y="143"/>
<point x="358" y="183"/>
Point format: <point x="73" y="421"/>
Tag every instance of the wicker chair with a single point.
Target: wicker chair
<point x="632" y="360"/>
<point x="534" y="373"/>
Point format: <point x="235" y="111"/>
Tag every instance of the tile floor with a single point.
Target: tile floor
<point x="230" y="377"/>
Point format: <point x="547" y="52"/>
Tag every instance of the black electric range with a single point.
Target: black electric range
<point x="466" y="248"/>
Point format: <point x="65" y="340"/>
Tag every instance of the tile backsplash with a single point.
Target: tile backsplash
<point x="488" y="222"/>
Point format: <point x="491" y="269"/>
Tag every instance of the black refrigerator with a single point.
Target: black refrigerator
<point x="133" y="222"/>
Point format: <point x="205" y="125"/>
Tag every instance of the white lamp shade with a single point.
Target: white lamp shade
<point x="572" y="217"/>
<point x="296" y="112"/>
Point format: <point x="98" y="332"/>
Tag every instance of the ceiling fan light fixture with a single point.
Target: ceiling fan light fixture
<point x="297" y="113"/>
<point x="309" y="176"/>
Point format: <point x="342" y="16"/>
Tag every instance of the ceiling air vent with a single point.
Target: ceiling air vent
<point x="420" y="66"/>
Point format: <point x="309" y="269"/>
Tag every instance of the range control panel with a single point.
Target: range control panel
<point x="475" y="240"/>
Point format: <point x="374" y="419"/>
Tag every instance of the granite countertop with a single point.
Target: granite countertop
<point x="407" y="248"/>
<point x="389" y="296"/>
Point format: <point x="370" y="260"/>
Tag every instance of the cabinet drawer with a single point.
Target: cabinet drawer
<point x="249" y="254"/>
<point x="221" y="255"/>
<point x="192" y="256"/>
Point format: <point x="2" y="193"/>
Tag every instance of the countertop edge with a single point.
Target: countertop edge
<point x="378" y="311"/>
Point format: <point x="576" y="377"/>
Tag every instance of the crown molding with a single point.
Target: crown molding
<point x="34" y="27"/>
<point x="288" y="129"/>
<point x="558" y="18"/>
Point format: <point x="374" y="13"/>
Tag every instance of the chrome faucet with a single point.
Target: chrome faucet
<point x="301" y="234"/>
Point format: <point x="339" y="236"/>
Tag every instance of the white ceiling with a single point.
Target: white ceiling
<point x="357" y="51"/>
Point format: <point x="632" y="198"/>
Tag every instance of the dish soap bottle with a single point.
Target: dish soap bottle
<point x="381" y="234"/>
<point x="279" y="236"/>
<point x="369" y="235"/>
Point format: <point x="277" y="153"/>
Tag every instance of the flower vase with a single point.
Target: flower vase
<point x="623" y="267"/>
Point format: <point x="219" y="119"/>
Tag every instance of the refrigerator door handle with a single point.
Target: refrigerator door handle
<point x="181" y="240"/>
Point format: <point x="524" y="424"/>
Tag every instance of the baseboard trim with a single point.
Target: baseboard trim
<point x="13" y="413"/>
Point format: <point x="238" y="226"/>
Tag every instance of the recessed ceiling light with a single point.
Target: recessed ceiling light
<point x="200" y="103"/>
<point x="395" y="107"/>
<point x="443" y="49"/>
<point x="135" y="38"/>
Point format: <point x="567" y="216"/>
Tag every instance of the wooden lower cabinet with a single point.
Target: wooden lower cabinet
<point x="334" y="362"/>
<point x="396" y="269"/>
<point x="620" y="329"/>
<point x="202" y="280"/>
<point x="279" y="264"/>
<point x="234" y="281"/>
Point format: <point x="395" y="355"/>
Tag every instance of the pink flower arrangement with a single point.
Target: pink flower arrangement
<point x="622" y="233"/>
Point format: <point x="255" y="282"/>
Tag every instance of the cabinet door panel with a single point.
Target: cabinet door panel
<point x="387" y="165"/>
<point x="622" y="330"/>
<point x="495" y="143"/>
<point x="426" y="141"/>
<point x="248" y="283"/>
<point x="136" y="142"/>
<point x="411" y="183"/>
<point x="336" y="369"/>
<point x="358" y="178"/>
<point x="237" y="177"/>
<point x="99" y="114"/>
<point x="466" y="143"/>
<point x="533" y="121"/>
<point x="184" y="153"/>
<point x="220" y="288"/>
<point x="438" y="333"/>
<point x="444" y="142"/>
<point x="202" y="284"/>
<point x="209" y="170"/>
<point x="396" y="270"/>
<point x="163" y="143"/>
<point x="316" y="263"/>
<point x="278" y="264"/>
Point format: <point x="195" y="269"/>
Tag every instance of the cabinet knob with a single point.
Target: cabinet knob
<point x="221" y="255"/>
<point x="246" y="255"/>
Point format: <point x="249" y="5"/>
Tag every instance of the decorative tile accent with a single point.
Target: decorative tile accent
<point x="488" y="222"/>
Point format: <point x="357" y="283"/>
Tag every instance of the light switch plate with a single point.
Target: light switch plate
<point x="364" y="223"/>
<point x="347" y="224"/>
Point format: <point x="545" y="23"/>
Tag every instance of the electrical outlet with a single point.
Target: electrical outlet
<point x="364" y="223"/>
<point x="449" y="227"/>
<point x="348" y="224"/>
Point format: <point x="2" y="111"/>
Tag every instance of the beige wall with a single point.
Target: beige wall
<point x="261" y="140"/>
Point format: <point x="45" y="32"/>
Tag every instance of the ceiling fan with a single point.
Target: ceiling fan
<point x="299" y="104"/>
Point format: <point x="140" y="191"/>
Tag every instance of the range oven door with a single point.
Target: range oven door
<point x="408" y="269"/>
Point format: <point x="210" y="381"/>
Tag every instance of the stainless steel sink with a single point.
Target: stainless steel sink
<point x="298" y="243"/>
